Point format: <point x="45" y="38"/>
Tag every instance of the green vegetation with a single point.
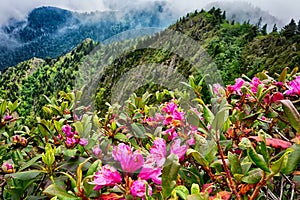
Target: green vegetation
<point x="186" y="140"/>
<point x="235" y="48"/>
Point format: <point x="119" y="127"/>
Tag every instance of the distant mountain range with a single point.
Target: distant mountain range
<point x="51" y="31"/>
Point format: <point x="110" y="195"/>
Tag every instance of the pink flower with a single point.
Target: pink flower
<point x="138" y="188"/>
<point x="97" y="150"/>
<point x="16" y="138"/>
<point x="171" y="132"/>
<point x="23" y="141"/>
<point x="130" y="161"/>
<point x="19" y="140"/>
<point x="8" y="167"/>
<point x="159" y="151"/>
<point x="149" y="171"/>
<point x="8" y="118"/>
<point x="178" y="115"/>
<point x="216" y="88"/>
<point x="70" y="141"/>
<point x="107" y="176"/>
<point x="279" y="84"/>
<point x="277" y="96"/>
<point x="254" y="84"/>
<point x="67" y="130"/>
<point x="83" y="141"/>
<point x="170" y="107"/>
<point x="178" y="150"/>
<point x="295" y="87"/>
<point x="236" y="87"/>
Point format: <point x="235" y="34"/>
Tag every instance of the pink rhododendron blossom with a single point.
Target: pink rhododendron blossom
<point x="279" y="84"/>
<point x="130" y="161"/>
<point x="107" y="176"/>
<point x="171" y="132"/>
<point x="277" y="96"/>
<point x="236" y="87"/>
<point x="216" y="88"/>
<point x="8" y="167"/>
<point x="178" y="150"/>
<point x="8" y="118"/>
<point x="67" y="130"/>
<point x="294" y="87"/>
<point x="70" y="141"/>
<point x="170" y="107"/>
<point x="150" y="171"/>
<point x="16" y="138"/>
<point x="97" y="150"/>
<point x="138" y="188"/>
<point x="254" y="84"/>
<point x="19" y="140"/>
<point x="159" y="151"/>
<point x="83" y="141"/>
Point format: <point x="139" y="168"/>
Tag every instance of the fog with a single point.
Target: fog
<point x="284" y="10"/>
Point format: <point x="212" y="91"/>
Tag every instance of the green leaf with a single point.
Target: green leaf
<point x="257" y="159"/>
<point x="30" y="162"/>
<point x="293" y="160"/>
<point x="253" y="176"/>
<point x="281" y="162"/>
<point x="54" y="190"/>
<point x="195" y="189"/>
<point x="169" y="175"/>
<point x="49" y="156"/>
<point x="14" y="106"/>
<point x="138" y="130"/>
<point x="220" y="118"/>
<point x="198" y="157"/>
<point x="292" y="114"/>
<point x="70" y="152"/>
<point x="3" y="108"/>
<point x="235" y="165"/>
<point x="263" y="94"/>
<point x="27" y="175"/>
<point x="295" y="70"/>
<point x="182" y="191"/>
<point x="283" y="74"/>
<point x="210" y="151"/>
<point x="121" y="137"/>
<point x="207" y="114"/>
<point x="94" y="167"/>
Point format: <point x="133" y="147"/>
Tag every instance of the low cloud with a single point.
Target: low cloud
<point x="18" y="9"/>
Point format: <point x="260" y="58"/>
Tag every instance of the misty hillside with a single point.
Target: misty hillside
<point x="51" y="31"/>
<point x="234" y="48"/>
<point x="241" y="11"/>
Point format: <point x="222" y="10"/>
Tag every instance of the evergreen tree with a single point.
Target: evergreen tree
<point x="264" y="29"/>
<point x="275" y="29"/>
<point x="289" y="30"/>
<point x="259" y="23"/>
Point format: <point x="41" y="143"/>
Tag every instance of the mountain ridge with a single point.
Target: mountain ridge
<point x="234" y="48"/>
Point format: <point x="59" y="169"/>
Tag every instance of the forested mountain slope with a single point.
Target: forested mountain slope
<point x="233" y="47"/>
<point x="51" y="31"/>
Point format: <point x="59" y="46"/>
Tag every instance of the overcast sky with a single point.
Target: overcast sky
<point x="282" y="9"/>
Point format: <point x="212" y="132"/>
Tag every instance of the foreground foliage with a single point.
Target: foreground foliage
<point x="172" y="147"/>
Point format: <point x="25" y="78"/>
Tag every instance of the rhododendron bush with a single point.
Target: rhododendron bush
<point x="244" y="144"/>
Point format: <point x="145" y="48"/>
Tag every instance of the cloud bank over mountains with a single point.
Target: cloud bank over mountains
<point x="284" y="10"/>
